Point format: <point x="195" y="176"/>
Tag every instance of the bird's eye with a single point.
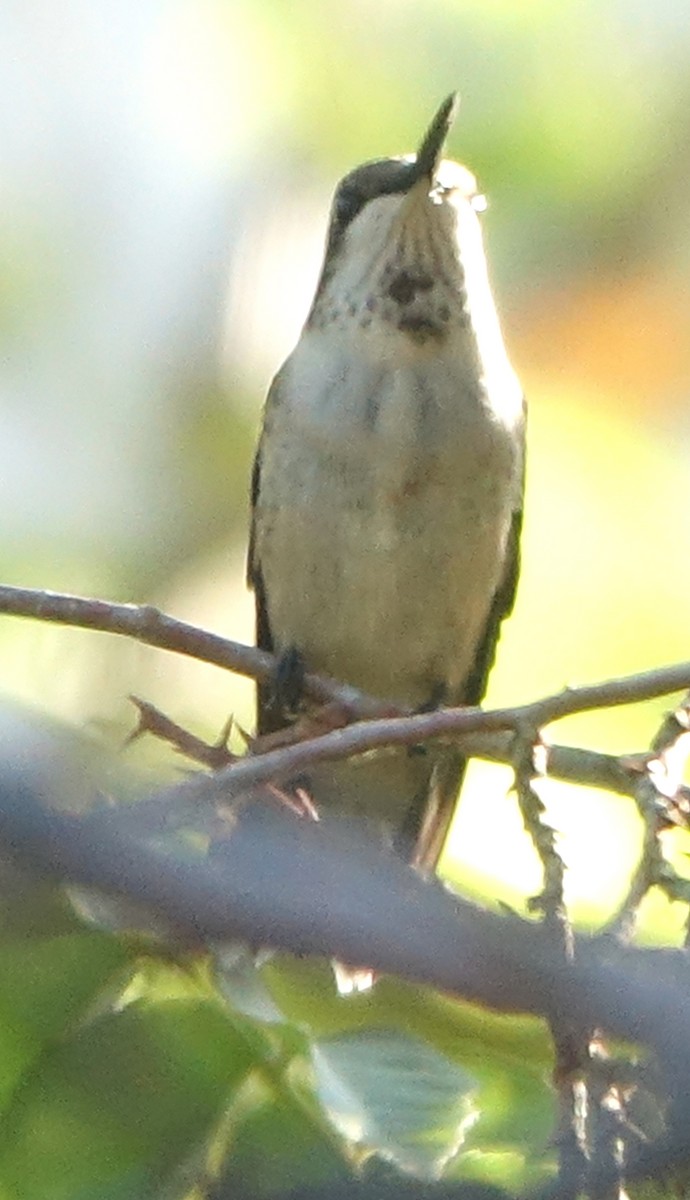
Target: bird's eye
<point x="347" y="204"/>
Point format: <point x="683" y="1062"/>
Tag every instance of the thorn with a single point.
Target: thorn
<point x="142" y="725"/>
<point x="223" y="738"/>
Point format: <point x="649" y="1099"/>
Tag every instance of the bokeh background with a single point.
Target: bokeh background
<point x="167" y="167"/>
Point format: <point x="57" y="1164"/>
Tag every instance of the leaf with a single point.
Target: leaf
<point x="45" y="985"/>
<point x="119" y="1108"/>
<point x="239" y="980"/>
<point x="396" y="1096"/>
<point x="279" y="1146"/>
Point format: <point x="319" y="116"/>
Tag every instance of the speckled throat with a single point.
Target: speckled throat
<point x="414" y="285"/>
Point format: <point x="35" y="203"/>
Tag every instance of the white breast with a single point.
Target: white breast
<point x="388" y="484"/>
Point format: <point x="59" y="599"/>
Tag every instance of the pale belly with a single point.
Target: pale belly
<point x="382" y="538"/>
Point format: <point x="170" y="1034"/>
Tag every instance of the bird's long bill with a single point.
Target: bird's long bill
<point x="431" y="150"/>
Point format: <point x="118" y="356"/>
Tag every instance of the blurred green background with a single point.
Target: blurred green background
<point x="167" y="167"/>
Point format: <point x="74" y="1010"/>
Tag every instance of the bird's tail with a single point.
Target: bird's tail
<point x="422" y="785"/>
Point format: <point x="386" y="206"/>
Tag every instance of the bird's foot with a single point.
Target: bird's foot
<point x="288" y="682"/>
<point x="437" y="699"/>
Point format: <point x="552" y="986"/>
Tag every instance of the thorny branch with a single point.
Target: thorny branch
<point x="588" y="768"/>
<point x="570" y="1039"/>
<point x="591" y="1114"/>
<point x="273" y="888"/>
<point x="483" y="733"/>
<point x="147" y="624"/>
<point x="152" y="720"/>
<point x="659" y="774"/>
<point x="593" y="1127"/>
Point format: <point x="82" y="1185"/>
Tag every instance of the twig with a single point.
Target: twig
<point x="149" y="625"/>
<point x="655" y="795"/>
<point x="318" y="893"/>
<point x="672" y="744"/>
<point x="610" y="1131"/>
<point x="449" y="723"/>
<point x="484" y="733"/>
<point x="275" y="889"/>
<point x="152" y="720"/>
<point x="650" y="868"/>
<point x="570" y="1040"/>
<point x="569" y="764"/>
<point x="551" y="900"/>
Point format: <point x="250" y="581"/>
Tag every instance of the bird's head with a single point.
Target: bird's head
<point x="400" y="227"/>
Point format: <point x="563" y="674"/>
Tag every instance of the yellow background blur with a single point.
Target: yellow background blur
<point x="167" y="167"/>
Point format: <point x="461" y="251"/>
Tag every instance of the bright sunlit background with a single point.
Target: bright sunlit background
<point x="166" y="174"/>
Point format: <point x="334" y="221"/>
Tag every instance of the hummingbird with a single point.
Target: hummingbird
<point x="387" y="488"/>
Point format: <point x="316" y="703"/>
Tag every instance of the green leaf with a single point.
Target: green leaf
<point x="281" y="1145"/>
<point x="394" y="1094"/>
<point x="239" y="980"/>
<point x="45" y="985"/>
<point x="118" y="1109"/>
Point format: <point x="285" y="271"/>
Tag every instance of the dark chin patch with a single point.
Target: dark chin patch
<point x="421" y="328"/>
<point x="406" y="285"/>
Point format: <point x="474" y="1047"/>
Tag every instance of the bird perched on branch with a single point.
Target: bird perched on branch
<point x="388" y="481"/>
